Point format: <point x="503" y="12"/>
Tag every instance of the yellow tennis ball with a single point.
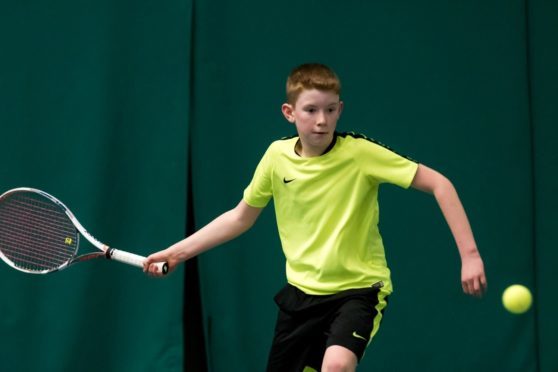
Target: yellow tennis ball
<point x="517" y="299"/>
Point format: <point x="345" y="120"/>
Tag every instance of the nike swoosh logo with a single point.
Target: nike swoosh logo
<point x="287" y="181"/>
<point x="359" y="336"/>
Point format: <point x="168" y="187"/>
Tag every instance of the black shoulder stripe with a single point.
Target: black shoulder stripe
<point x="364" y="137"/>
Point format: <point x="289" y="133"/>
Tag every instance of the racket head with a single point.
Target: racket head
<point x="37" y="235"/>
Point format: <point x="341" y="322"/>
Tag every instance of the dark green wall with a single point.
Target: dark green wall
<point x="93" y="109"/>
<point x="101" y="103"/>
<point x="543" y="29"/>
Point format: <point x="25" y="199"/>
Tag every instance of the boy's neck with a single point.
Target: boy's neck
<point x="300" y="150"/>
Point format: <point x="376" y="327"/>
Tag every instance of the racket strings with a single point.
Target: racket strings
<point x="43" y="222"/>
<point x="35" y="233"/>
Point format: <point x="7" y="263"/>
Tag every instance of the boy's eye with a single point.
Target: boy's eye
<point x="313" y="110"/>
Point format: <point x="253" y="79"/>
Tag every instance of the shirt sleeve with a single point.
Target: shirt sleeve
<point x="260" y="190"/>
<point x="385" y="165"/>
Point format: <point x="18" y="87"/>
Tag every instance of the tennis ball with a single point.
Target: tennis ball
<point x="517" y="299"/>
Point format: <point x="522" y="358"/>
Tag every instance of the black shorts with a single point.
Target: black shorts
<point x="307" y="325"/>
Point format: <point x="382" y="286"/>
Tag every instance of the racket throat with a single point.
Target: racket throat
<point x="108" y="253"/>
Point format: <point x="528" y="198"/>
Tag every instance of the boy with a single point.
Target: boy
<point x="325" y="186"/>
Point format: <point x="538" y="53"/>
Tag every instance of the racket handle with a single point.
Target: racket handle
<point x="134" y="259"/>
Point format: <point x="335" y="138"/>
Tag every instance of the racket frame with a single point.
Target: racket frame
<point x="105" y="250"/>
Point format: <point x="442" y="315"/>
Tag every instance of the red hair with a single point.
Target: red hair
<point x="311" y="76"/>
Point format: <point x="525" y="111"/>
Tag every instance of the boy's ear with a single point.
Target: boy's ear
<point x="287" y="110"/>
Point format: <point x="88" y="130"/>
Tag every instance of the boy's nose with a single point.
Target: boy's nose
<point x="321" y="120"/>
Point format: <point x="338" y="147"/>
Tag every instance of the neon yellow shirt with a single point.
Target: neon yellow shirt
<point x="327" y="210"/>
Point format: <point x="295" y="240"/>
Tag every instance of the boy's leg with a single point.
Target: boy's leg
<point x="343" y="324"/>
<point x="339" y="358"/>
<point x="351" y="330"/>
<point x="295" y="344"/>
<point x="300" y="339"/>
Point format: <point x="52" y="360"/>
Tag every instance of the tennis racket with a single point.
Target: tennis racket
<point x="40" y="235"/>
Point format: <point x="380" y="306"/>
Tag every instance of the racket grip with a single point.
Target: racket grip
<point x="134" y="259"/>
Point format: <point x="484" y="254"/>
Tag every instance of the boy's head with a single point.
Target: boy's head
<point x="313" y="106"/>
<point x="311" y="76"/>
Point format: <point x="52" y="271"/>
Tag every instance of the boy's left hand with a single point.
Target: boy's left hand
<point x="473" y="278"/>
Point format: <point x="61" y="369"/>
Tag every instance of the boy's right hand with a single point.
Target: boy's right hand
<point x="165" y="255"/>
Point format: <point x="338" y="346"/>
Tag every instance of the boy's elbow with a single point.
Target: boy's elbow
<point x="246" y="222"/>
<point x="245" y="216"/>
<point x="442" y="186"/>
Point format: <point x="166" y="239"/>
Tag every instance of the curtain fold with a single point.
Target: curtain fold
<point x="94" y="110"/>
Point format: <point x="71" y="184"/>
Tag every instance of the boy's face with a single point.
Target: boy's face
<point x="315" y="115"/>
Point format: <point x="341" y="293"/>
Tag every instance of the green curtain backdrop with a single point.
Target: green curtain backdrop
<point x="93" y="109"/>
<point x="105" y="103"/>
<point x="543" y="29"/>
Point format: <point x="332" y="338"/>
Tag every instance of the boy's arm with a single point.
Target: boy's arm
<point x="473" y="278"/>
<point x="226" y="227"/>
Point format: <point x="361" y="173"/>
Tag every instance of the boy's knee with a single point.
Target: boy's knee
<point x="337" y="366"/>
<point x="339" y="359"/>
